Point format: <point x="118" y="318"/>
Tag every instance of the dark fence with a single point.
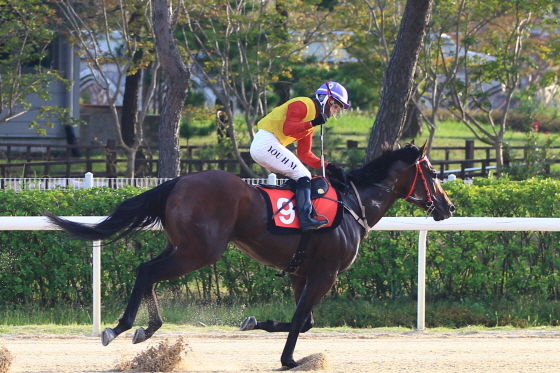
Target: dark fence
<point x="36" y="160"/>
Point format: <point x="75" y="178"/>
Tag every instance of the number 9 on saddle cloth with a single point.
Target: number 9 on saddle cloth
<point x="281" y="206"/>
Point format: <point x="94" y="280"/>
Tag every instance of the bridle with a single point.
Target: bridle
<point x="428" y="202"/>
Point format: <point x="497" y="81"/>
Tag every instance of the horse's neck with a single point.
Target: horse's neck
<point x="376" y="201"/>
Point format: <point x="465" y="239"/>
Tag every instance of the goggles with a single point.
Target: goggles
<point x="336" y="109"/>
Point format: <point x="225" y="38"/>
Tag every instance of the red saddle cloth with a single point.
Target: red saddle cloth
<point x="281" y="206"/>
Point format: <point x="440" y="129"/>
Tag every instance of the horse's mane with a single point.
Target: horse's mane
<point x="378" y="169"/>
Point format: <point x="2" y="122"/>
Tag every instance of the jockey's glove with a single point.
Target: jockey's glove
<point x="318" y="121"/>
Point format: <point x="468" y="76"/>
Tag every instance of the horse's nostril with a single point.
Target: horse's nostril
<point x="452" y="209"/>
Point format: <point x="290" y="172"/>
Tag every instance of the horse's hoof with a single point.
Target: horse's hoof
<point x="107" y="336"/>
<point x="290" y="364"/>
<point x="248" y="324"/>
<point x="139" y="336"/>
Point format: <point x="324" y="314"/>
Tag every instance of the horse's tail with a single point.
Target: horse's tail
<point x="139" y="212"/>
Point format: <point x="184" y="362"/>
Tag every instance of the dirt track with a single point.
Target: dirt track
<point x="256" y="351"/>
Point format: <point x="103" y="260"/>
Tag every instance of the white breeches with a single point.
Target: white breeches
<point x="267" y="151"/>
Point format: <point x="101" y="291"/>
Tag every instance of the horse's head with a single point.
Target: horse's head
<point x="418" y="184"/>
<point x="406" y="173"/>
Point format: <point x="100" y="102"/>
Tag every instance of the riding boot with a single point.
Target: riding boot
<point x="304" y="207"/>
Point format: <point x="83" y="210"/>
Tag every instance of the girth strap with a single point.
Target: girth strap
<point x="299" y="256"/>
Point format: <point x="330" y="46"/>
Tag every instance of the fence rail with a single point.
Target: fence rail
<point x="26" y="160"/>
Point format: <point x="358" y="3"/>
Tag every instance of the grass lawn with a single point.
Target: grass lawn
<point x="354" y="126"/>
<point x="448" y="134"/>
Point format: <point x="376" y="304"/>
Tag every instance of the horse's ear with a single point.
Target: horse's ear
<point x="412" y="142"/>
<point x="423" y="149"/>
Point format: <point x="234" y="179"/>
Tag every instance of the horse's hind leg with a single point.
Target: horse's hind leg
<point x="139" y="292"/>
<point x="150" y="299"/>
<point x="178" y="262"/>
<point x="155" y="322"/>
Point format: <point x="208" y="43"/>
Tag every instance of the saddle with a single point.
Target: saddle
<point x="280" y="202"/>
<point x="319" y="186"/>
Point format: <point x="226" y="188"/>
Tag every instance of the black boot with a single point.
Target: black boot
<point x="303" y="204"/>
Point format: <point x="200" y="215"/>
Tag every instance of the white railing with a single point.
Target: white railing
<point x="423" y="225"/>
<point x="89" y="181"/>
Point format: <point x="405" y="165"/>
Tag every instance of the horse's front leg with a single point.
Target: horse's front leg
<point x="315" y="289"/>
<point x="298" y="285"/>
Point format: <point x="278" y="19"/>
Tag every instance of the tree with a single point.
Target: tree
<point x="117" y="33"/>
<point x="442" y="60"/>
<point x="177" y="77"/>
<point x="27" y="30"/>
<point x="478" y="88"/>
<point x="239" y="49"/>
<point x="374" y="26"/>
<point x="399" y="77"/>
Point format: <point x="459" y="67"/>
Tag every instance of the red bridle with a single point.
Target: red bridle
<point x="429" y="201"/>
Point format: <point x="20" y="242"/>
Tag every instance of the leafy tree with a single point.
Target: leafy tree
<point x="117" y="33"/>
<point x="443" y="60"/>
<point x="492" y="56"/>
<point x="239" y="49"/>
<point x="27" y="31"/>
<point x="374" y="26"/>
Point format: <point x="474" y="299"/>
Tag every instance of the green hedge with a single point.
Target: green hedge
<point x="49" y="268"/>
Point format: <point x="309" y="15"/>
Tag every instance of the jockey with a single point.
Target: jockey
<point x="295" y="120"/>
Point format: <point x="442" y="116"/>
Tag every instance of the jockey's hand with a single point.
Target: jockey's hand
<point x="337" y="175"/>
<point x="318" y="121"/>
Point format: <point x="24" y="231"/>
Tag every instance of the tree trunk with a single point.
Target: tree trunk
<point x="399" y="77"/>
<point x="177" y="77"/>
<point x="129" y="114"/>
<point x="282" y="89"/>
<point x="131" y="161"/>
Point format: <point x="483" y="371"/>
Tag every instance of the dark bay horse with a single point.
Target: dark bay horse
<point x="202" y="212"/>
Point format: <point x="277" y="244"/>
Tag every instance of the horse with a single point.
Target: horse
<point x="202" y="212"/>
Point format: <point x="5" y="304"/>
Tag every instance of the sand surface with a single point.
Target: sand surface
<point x="530" y="351"/>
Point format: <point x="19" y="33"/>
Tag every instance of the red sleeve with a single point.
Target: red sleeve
<point x="305" y="154"/>
<point x="293" y="125"/>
